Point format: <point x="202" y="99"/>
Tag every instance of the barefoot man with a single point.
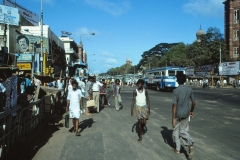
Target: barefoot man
<point x="73" y="102"/>
<point x="140" y="98"/>
<point x="181" y="113"/>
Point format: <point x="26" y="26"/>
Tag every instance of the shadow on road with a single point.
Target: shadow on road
<point x="167" y="136"/>
<point x="135" y="126"/>
<point x="87" y="123"/>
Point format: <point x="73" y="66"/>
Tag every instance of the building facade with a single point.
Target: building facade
<point x="232" y="27"/>
<point x="71" y="54"/>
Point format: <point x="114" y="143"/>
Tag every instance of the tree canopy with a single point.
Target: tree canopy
<point x="203" y="52"/>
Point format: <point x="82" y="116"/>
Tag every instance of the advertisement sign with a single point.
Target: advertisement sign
<point x="229" y="68"/>
<point x="24" y="66"/>
<point x="27" y="14"/>
<point x="9" y="15"/>
<point x="189" y="71"/>
<point x="25" y="57"/>
<point x="30" y="44"/>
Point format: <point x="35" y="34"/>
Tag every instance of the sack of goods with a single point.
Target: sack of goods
<point x="90" y="103"/>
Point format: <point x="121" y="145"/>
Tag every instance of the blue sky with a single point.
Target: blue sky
<point x="126" y="28"/>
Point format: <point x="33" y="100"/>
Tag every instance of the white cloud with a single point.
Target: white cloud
<point x="213" y="8"/>
<point x="108" y="59"/>
<point x="113" y="8"/>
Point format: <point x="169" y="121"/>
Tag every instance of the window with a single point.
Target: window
<point x="235" y="35"/>
<point x="236" y="16"/>
<point x="235" y="52"/>
<point x="171" y="73"/>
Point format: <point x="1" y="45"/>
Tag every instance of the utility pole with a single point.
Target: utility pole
<point x="41" y="58"/>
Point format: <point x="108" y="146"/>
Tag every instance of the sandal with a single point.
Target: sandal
<point x="191" y="152"/>
<point x="77" y="134"/>
<point x="176" y="151"/>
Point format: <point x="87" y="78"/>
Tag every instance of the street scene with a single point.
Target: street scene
<point x="111" y="134"/>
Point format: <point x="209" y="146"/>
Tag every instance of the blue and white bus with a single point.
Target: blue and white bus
<point x="163" y="78"/>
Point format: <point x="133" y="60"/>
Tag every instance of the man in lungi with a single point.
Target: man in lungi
<point x="140" y="98"/>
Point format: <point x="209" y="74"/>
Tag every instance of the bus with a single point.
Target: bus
<point x="163" y="78"/>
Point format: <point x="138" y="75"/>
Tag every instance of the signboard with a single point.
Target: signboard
<point x="25" y="57"/>
<point x="27" y="14"/>
<point x="9" y="15"/>
<point x="189" y="71"/>
<point x="24" y="66"/>
<point x="229" y="68"/>
<point x="30" y="44"/>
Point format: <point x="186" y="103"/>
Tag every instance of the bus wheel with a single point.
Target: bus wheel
<point x="157" y="85"/>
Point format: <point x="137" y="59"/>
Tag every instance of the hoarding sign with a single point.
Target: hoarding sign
<point x="27" y="14"/>
<point x="24" y="66"/>
<point x="9" y="15"/>
<point x="229" y="68"/>
<point x="189" y="71"/>
<point x="30" y="44"/>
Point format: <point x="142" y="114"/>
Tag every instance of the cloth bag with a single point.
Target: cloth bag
<point x="67" y="120"/>
<point x="90" y="103"/>
<point x="119" y="98"/>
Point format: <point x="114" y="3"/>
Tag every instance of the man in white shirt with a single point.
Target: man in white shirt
<point x="73" y="105"/>
<point x="225" y="82"/>
<point x="95" y="89"/>
<point x="60" y="83"/>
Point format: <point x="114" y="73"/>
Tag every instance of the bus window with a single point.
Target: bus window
<point x="163" y="73"/>
<point x="180" y="72"/>
<point x="171" y="73"/>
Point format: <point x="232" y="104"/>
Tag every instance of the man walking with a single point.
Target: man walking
<point x="95" y="89"/>
<point x="140" y="98"/>
<point x="73" y="105"/>
<point x="181" y="114"/>
<point x="117" y="95"/>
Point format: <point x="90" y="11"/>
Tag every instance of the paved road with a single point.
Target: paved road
<point x="111" y="135"/>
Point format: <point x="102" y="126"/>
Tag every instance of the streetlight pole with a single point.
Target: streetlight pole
<point x="41" y="58"/>
<point x="220" y="61"/>
<point x="85" y="34"/>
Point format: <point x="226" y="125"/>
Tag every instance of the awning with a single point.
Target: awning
<point x="79" y="64"/>
<point x="45" y="79"/>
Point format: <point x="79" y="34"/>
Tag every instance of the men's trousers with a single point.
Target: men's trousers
<point x="96" y="100"/>
<point x="180" y="132"/>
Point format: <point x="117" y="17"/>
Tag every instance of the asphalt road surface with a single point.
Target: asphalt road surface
<point x="111" y="134"/>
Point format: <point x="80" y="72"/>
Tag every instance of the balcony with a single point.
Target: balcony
<point x="71" y="51"/>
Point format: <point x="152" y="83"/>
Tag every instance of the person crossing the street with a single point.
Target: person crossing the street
<point x="181" y="113"/>
<point x="142" y="102"/>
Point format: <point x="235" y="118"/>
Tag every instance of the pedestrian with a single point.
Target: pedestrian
<point x="103" y="94"/>
<point x="60" y="83"/>
<point x="88" y="93"/>
<point x="117" y="95"/>
<point x="142" y="102"/>
<point x="73" y="106"/>
<point x="95" y="93"/>
<point x="181" y="113"/>
<point x="122" y="82"/>
<point x="224" y="82"/>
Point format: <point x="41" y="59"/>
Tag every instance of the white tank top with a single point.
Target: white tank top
<point x="141" y="98"/>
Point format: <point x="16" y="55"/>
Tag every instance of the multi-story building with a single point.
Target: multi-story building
<point x="232" y="27"/>
<point x="71" y="53"/>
